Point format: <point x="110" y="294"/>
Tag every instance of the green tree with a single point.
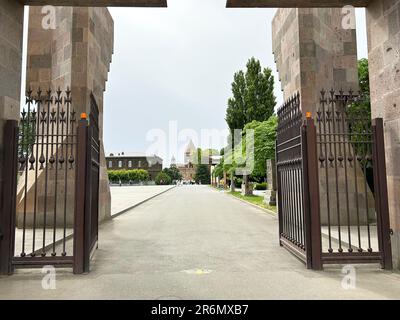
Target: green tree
<point x="203" y="156"/>
<point x="199" y="156"/>
<point x="173" y="172"/>
<point x="264" y="148"/>
<point x="236" y="111"/>
<point x="27" y="138"/>
<point x="219" y="170"/>
<point x="364" y="107"/>
<point x="363" y="76"/>
<point x="360" y="112"/>
<point x="253" y="96"/>
<point x="264" y="144"/>
<point x="163" y="179"/>
<point x="202" y="174"/>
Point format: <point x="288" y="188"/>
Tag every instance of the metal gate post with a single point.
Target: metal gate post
<point x="279" y="194"/>
<point x="311" y="195"/>
<point x="80" y="196"/>
<point x="88" y="200"/>
<point x="8" y="197"/>
<point x="381" y="193"/>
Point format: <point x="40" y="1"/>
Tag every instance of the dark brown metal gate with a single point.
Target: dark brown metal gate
<point x="332" y="189"/>
<point x="297" y="184"/>
<point x="40" y="218"/>
<point x="87" y="208"/>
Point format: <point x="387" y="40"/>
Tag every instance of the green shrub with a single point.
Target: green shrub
<point x="163" y="179"/>
<point x="260" y="186"/>
<point x="138" y="175"/>
<point x="202" y="174"/>
<point x="174" y="173"/>
<point x="238" y="182"/>
<point x="126" y="176"/>
<point x="143" y="175"/>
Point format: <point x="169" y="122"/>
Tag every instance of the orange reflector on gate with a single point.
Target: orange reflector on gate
<point x="308" y="115"/>
<point x="83" y="116"/>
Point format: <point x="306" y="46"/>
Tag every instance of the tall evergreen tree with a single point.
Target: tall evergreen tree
<point x="236" y="112"/>
<point x="253" y="96"/>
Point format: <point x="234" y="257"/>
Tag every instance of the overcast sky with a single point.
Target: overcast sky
<point x="177" y="64"/>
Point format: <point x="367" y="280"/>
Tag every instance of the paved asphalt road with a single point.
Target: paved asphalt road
<point x="197" y="243"/>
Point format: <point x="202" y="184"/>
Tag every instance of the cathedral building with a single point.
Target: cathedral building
<point x="187" y="169"/>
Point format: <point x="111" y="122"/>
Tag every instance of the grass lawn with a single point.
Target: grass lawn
<point x="257" y="200"/>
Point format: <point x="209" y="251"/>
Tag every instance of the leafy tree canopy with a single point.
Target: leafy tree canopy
<point x="173" y="173"/>
<point x="163" y="179"/>
<point x="264" y="144"/>
<point x="361" y="110"/>
<point x="202" y="174"/>
<point x="253" y="96"/>
<point x="203" y="155"/>
<point x="264" y="148"/>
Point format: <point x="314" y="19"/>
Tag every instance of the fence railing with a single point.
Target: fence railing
<point x="49" y="210"/>
<point x="332" y="192"/>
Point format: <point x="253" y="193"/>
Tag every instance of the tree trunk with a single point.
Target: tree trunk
<point x="232" y="183"/>
<point x="246" y="187"/>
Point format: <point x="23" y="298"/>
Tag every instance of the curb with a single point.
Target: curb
<point x="137" y="204"/>
<point x="270" y="212"/>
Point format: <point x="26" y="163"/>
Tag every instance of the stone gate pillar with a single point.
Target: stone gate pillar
<point x="76" y="54"/>
<point x="11" y="32"/>
<point x="383" y="23"/>
<point x="313" y="52"/>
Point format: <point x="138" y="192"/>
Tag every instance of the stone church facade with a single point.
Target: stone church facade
<point x="187" y="169"/>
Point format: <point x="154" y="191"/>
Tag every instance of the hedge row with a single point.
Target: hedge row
<point x="125" y="176"/>
<point x="260" y="186"/>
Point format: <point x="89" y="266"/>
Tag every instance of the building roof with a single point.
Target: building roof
<point x="116" y="155"/>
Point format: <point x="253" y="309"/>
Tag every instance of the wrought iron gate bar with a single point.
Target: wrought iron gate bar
<point x="40" y="261"/>
<point x="55" y="202"/>
<point x="352" y="258"/>
<point x="330" y="208"/>
<point x="290" y="178"/>
<point x="47" y="142"/>
<point x="341" y="132"/>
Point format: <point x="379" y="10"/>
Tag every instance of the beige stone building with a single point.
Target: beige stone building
<point x="188" y="168"/>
